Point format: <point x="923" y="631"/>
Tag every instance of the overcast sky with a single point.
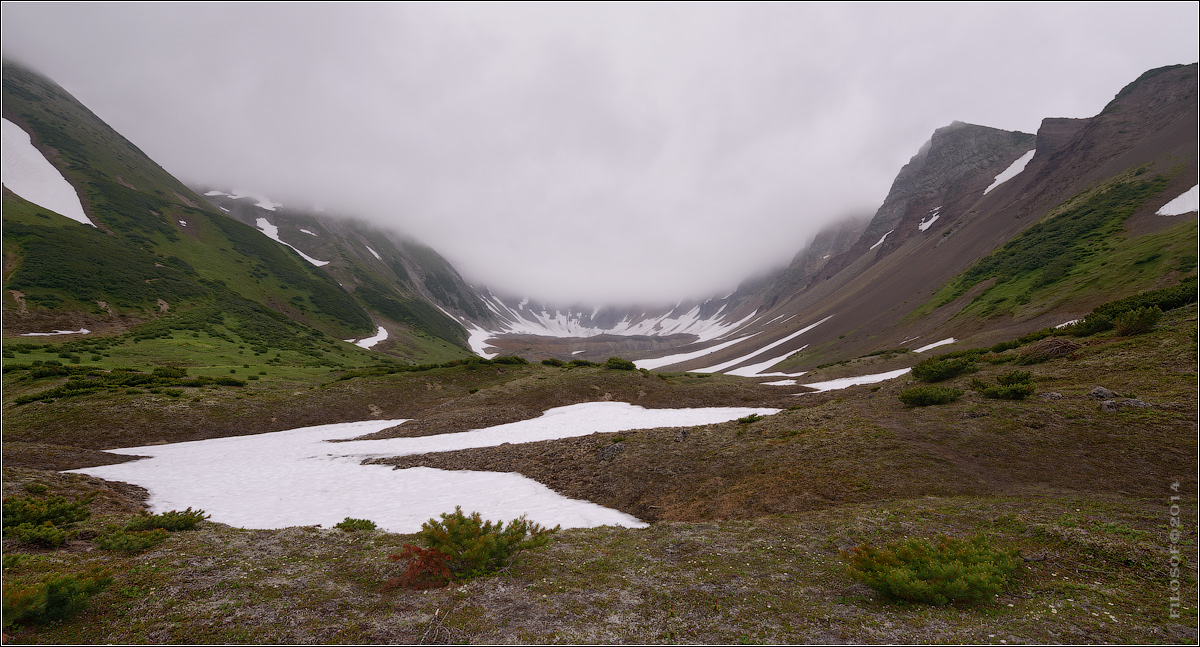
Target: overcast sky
<point x="594" y="153"/>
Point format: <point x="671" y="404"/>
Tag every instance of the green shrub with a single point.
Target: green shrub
<point x="936" y="369"/>
<point x="131" y="541"/>
<point x="56" y="598"/>
<point x="36" y="488"/>
<point x="43" y="534"/>
<point x="1045" y="350"/>
<point x="1136" y="322"/>
<point x="576" y="363"/>
<point x="754" y="417"/>
<point x="937" y="571"/>
<point x="354" y="525"/>
<point x="923" y="396"/>
<point x="54" y="510"/>
<point x="172" y="521"/>
<point x="229" y="381"/>
<point x="475" y="547"/>
<point x="619" y="364"/>
<point x="1003" y="392"/>
<point x="509" y="359"/>
<point x="553" y="362"/>
<point x="169" y="371"/>
<point x="1016" y="377"/>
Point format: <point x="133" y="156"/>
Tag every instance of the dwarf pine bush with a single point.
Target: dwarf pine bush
<point x="936" y="369"/>
<point x="55" y="598"/>
<point x="123" y="541"/>
<point x="350" y="524"/>
<point x="938" y="571"/>
<point x="476" y="547"/>
<point x="1136" y="322"/>
<point x="172" y="521"/>
<point x="923" y="396"/>
<point x="619" y="364"/>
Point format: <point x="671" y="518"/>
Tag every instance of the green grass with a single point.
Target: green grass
<point x="1097" y="260"/>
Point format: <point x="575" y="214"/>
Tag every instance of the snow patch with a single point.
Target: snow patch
<point x="296" y="478"/>
<point x="29" y="174"/>
<point x="1067" y="323"/>
<point x="223" y="209"/>
<point x="683" y="357"/>
<point x="779" y="383"/>
<point x="81" y="331"/>
<point x="1012" y="171"/>
<point x="1185" y="203"/>
<point x="272" y="232"/>
<point x="926" y="224"/>
<point x="744" y="371"/>
<point x="307" y="232"/>
<point x="380" y="335"/>
<point x="841" y="383"/>
<point x="881" y="239"/>
<point x="183" y="223"/>
<point x="373" y="252"/>
<point x="948" y="340"/>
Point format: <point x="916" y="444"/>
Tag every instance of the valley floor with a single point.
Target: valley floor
<point x="750" y="521"/>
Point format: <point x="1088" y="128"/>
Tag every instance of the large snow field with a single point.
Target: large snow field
<point x="295" y="478"/>
<point x="1012" y="171"/>
<point x="29" y="174"/>
<point x="1187" y="202"/>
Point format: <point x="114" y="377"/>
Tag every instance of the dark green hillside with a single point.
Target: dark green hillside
<point x="142" y="208"/>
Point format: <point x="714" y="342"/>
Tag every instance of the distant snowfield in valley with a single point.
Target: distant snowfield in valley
<point x="27" y="173"/>
<point x="841" y="383"/>
<point x="1012" y="171"/>
<point x="295" y="478"/>
<point x="81" y="331"/>
<point x="272" y="232"/>
<point x="1187" y="202"/>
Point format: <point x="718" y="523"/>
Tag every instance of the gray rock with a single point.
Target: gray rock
<point x="1050" y="395"/>
<point x="1108" y="405"/>
<point x="1101" y="393"/>
<point x="610" y="452"/>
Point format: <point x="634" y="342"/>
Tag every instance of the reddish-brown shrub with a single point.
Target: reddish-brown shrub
<point x="428" y="568"/>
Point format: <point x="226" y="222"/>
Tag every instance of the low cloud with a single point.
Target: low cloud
<point x="583" y="152"/>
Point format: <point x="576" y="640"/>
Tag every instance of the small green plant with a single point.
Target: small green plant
<point x="938" y="571"/>
<point x="172" y="521"/>
<point x="1136" y="322"/>
<point x="923" y="396"/>
<point x="475" y="547"/>
<point x="36" y="488"/>
<point x="354" y="525"/>
<point x="124" y="541"/>
<point x="56" y="598"/>
<point x="43" y="534"/>
<point x="553" y="362"/>
<point x="578" y="363"/>
<point x="936" y="369"/>
<point x="754" y="417"/>
<point x="619" y="364"/>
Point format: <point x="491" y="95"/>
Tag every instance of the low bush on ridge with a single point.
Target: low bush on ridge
<point x="923" y="396"/>
<point x="938" y="571"/>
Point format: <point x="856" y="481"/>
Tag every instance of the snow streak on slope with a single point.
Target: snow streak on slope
<point x="683" y="357"/>
<point x="1012" y="171"/>
<point x="844" y="382"/>
<point x="881" y="239"/>
<point x="1185" y="203"/>
<point x="27" y="173"/>
<point x="373" y="253"/>
<point x="934" y="214"/>
<point x="272" y="232"/>
<point x="721" y="368"/>
<point x="948" y="340"/>
<point x="380" y="335"/>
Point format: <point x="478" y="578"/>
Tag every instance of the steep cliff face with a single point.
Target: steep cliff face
<point x="944" y="178"/>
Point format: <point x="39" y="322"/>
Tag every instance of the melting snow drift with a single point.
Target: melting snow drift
<point x="1012" y="171"/>
<point x="81" y="331"/>
<point x="30" y="175"/>
<point x="841" y="383"/>
<point x="294" y="478"/>
<point x="1187" y="202"/>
